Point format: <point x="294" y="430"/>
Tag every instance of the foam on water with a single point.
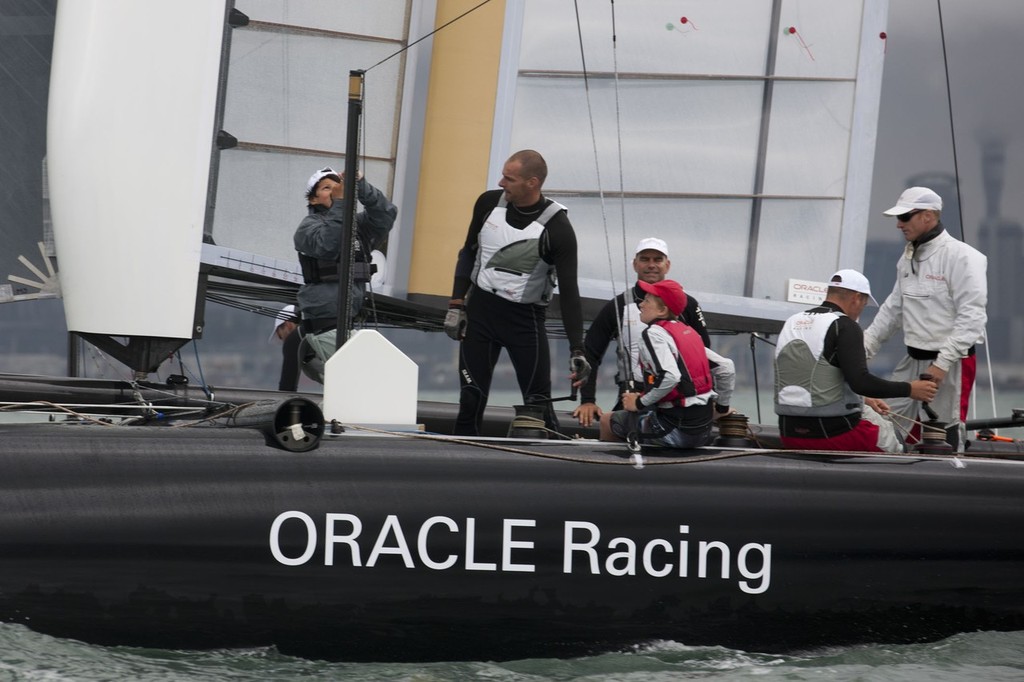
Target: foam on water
<point x="991" y="656"/>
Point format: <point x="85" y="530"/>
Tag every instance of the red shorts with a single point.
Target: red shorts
<point x="968" y="370"/>
<point x="862" y="438"/>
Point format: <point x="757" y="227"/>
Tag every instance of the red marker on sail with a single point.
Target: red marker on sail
<point x="885" y="43"/>
<point x="685" y="21"/>
<point x="793" y="32"/>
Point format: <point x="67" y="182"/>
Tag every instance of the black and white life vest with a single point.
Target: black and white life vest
<point x="508" y="261"/>
<point x="806" y="384"/>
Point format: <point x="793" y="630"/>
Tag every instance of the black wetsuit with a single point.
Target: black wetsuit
<point x="495" y="322"/>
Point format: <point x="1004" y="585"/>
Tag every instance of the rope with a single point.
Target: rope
<point x="924" y="426"/>
<point x="904" y="431"/>
<point x="59" y="408"/>
<point x="991" y="380"/>
<point x="630" y="462"/>
<point x="528" y="422"/>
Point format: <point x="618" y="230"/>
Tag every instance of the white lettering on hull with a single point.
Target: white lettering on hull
<point x="583" y="551"/>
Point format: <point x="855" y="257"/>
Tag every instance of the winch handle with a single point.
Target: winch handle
<point x="925" y="376"/>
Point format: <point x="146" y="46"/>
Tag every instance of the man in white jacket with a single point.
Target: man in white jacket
<point x="938" y="303"/>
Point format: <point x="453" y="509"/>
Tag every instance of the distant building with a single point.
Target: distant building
<point x="1002" y="240"/>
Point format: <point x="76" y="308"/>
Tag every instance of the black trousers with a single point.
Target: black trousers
<point x="290" y="362"/>
<point x="495" y="323"/>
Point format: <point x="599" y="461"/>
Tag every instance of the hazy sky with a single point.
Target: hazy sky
<point x="986" y="72"/>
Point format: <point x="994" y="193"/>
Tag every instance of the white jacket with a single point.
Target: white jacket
<point x="938" y="301"/>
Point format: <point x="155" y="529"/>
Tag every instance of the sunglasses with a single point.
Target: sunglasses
<point x="905" y="217"/>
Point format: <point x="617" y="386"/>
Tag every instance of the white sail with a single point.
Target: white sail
<point x="133" y="92"/>
<point x="742" y="133"/>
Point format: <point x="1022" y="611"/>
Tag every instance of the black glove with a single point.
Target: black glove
<point x="579" y="366"/>
<point x="455" y="322"/>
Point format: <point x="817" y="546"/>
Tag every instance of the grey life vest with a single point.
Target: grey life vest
<point x="806" y="385"/>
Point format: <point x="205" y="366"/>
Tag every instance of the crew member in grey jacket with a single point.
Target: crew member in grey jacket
<point x="318" y="241"/>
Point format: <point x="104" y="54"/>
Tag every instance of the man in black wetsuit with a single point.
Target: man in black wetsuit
<point x="518" y="242"/>
<point x="821" y="374"/>
<point x="616" y="320"/>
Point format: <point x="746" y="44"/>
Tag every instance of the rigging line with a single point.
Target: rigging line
<point x="952" y="128"/>
<point x="753" y="355"/>
<point x="956" y="170"/>
<point x="626" y="357"/>
<point x="622" y="356"/>
<point x="446" y="25"/>
<point x="757" y="388"/>
<point x="367" y="253"/>
<point x="199" y="368"/>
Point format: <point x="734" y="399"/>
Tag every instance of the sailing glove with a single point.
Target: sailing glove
<point x="455" y="322"/>
<point x="579" y="366"/>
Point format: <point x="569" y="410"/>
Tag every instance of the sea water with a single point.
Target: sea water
<point x="978" y="656"/>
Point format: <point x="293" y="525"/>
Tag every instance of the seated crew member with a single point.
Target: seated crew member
<point x="318" y="242"/>
<point x="682" y="378"/>
<point x="616" y="320"/>
<point x="821" y="374"/>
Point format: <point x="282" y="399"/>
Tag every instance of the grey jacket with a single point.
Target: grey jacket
<point x="319" y="236"/>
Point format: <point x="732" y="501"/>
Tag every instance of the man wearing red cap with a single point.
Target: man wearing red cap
<point x="682" y="378"/>
<point x="938" y="303"/>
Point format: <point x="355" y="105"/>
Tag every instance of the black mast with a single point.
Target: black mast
<point x="346" y="257"/>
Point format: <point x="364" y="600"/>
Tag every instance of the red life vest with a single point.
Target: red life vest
<point x="692" y="361"/>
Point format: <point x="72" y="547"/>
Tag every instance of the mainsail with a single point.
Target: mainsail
<point x="743" y="134"/>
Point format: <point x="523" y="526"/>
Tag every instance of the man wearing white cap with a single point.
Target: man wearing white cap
<point x="616" y="320"/>
<point x="938" y="303"/>
<point x="821" y="374"/>
<point x="318" y="241"/>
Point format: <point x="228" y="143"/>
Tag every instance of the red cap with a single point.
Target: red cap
<point x="670" y="292"/>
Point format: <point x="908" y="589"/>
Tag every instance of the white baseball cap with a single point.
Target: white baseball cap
<point x="283" y="315"/>
<point x="854" y="281"/>
<point x="320" y="175"/>
<point x="652" y="243"/>
<point x="914" y="199"/>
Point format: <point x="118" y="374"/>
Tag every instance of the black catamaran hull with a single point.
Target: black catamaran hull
<point x="384" y="548"/>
